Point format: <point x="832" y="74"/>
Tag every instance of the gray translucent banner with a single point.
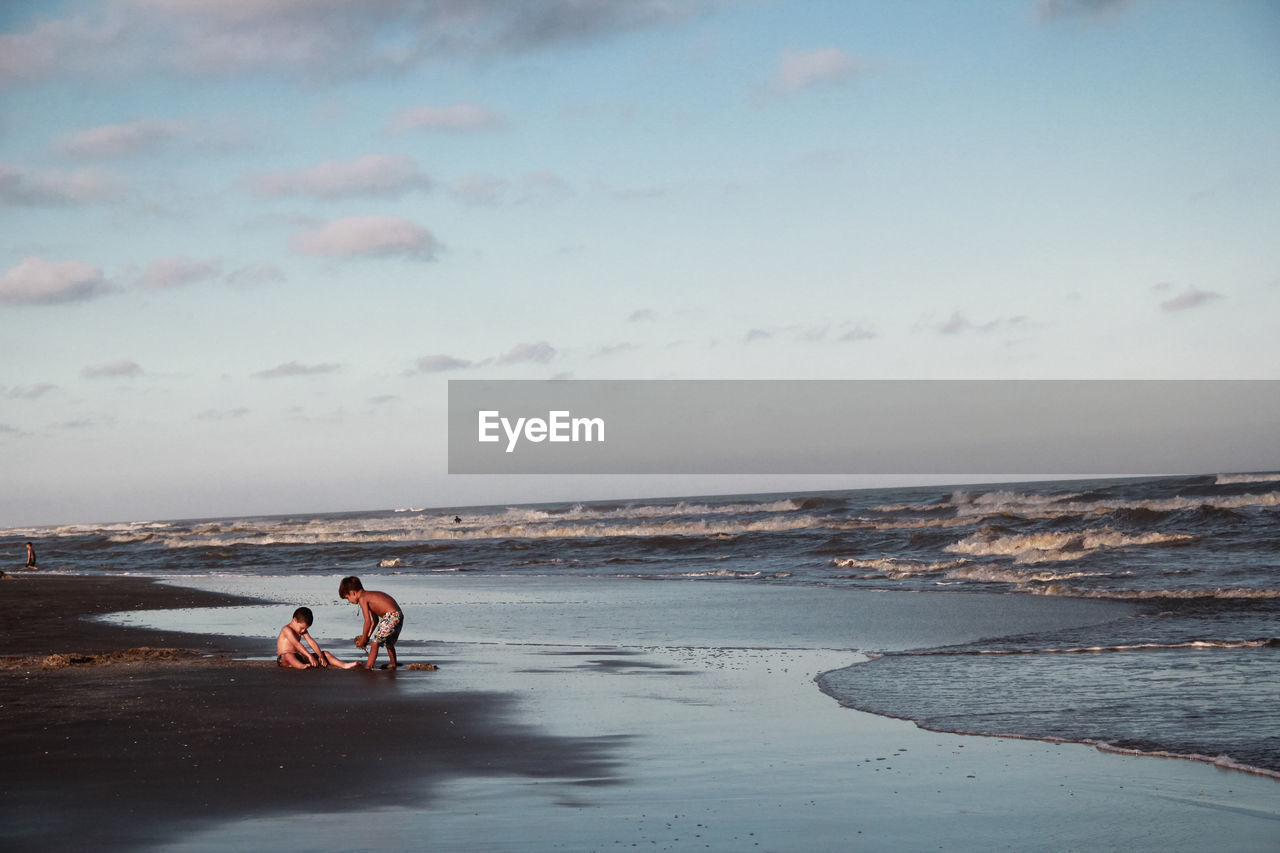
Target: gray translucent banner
<point x="863" y="427"/>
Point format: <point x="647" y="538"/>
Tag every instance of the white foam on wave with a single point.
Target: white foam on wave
<point x="1261" y="642"/>
<point x="1144" y="594"/>
<point x="973" y="509"/>
<point x="1234" y="479"/>
<point x="897" y="567"/>
<point x="1058" y="546"/>
<point x="497" y="527"/>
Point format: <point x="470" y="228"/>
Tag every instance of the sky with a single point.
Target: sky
<point x="245" y="244"/>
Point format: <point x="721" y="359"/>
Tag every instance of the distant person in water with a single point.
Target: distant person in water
<point x="383" y="619"/>
<point x="457" y="519"/>
<point x="292" y="654"/>
<point x="31" y="556"/>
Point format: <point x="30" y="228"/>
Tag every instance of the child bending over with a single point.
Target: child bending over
<point x="377" y="606"/>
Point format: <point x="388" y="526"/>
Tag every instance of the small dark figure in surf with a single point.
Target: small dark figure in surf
<point x="457" y="519"/>
<point x="31" y="556"/>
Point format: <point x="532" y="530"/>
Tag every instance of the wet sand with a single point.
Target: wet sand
<point x="554" y="741"/>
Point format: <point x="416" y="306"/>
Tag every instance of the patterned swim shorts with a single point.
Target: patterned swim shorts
<point x="387" y="631"/>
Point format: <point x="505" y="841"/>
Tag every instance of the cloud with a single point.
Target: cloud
<point x="537" y="353"/>
<point x="441" y="363"/>
<point x="320" y="39"/>
<point x="959" y="324"/>
<point x="802" y="69"/>
<point x="374" y="236"/>
<point x="458" y="117"/>
<point x="858" y="333"/>
<point x="122" y="369"/>
<point x="27" y="392"/>
<point x="294" y="368"/>
<point x="479" y="189"/>
<point x="1050" y="10"/>
<point x="615" y="349"/>
<point x="214" y="415"/>
<point x="754" y="335"/>
<point x="177" y="271"/>
<point x="254" y="275"/>
<point x="36" y="281"/>
<point x="544" y="186"/>
<point x="23" y="188"/>
<point x="370" y="175"/>
<point x="640" y="315"/>
<point x="1189" y="298"/>
<point x="120" y="140"/>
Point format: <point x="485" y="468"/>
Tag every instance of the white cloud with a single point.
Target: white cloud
<point x="24" y="188"/>
<point x="254" y="275"/>
<point x="441" y="363"/>
<point x="479" y="189"/>
<point x="801" y="69"/>
<point x="36" y="281"/>
<point x="214" y="415"/>
<point x="374" y="236"/>
<point x="294" y="368"/>
<point x="538" y="353"/>
<point x="177" y="271"/>
<point x="123" y="369"/>
<point x="120" y="140"/>
<point x="1189" y="298"/>
<point x="458" y="117"/>
<point x="27" y="392"/>
<point x="372" y="174"/>
<point x="313" y="38"/>
<point x="1053" y="9"/>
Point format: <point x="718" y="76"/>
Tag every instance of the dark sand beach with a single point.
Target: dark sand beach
<point x="117" y="738"/>
<point x="535" y="735"/>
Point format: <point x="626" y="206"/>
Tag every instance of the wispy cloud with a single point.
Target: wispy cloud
<point x="803" y="69"/>
<point x="323" y="39"/>
<point x="370" y="175"/>
<point x="858" y="333"/>
<point x="27" y="392"/>
<point x="294" y="368"/>
<point x="1050" y="10"/>
<point x="123" y="369"/>
<point x="218" y="415"/>
<point x="536" y="353"/>
<point x="369" y="236"/>
<point x="441" y="363"/>
<point x="121" y="140"/>
<point x="178" y="271"/>
<point x="640" y="315"/>
<point x="959" y="323"/>
<point x="1190" y="297"/>
<point x="539" y="352"/>
<point x="479" y="189"/>
<point x="254" y="275"/>
<point x="455" y="117"/>
<point x="21" y="187"/>
<point x="36" y="281"/>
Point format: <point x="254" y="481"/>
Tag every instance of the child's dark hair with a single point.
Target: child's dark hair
<point x="304" y="613"/>
<point x="351" y="583"/>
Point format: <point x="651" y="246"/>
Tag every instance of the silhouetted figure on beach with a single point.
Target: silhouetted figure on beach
<point x="457" y="519"/>
<point x="31" y="556"/>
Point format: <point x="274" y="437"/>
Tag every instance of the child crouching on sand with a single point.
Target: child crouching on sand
<point x="379" y="606"/>
<point x="291" y="654"/>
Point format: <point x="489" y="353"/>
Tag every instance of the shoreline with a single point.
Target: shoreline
<point x="554" y="738"/>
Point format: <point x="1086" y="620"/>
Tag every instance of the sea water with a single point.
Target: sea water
<point x="1191" y="667"/>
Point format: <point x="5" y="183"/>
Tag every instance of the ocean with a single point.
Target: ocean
<point x="1189" y="668"/>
